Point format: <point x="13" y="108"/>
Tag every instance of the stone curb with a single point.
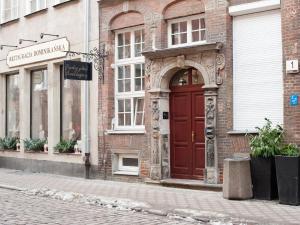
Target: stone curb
<point x="13" y="188"/>
<point x="177" y="214"/>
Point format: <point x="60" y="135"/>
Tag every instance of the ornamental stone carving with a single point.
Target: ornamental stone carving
<point x="155" y="115"/>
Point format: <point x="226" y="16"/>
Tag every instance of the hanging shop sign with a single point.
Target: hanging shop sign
<point x="76" y="70"/>
<point x="38" y="53"/>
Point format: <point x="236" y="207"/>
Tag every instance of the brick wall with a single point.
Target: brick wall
<point x="219" y="29"/>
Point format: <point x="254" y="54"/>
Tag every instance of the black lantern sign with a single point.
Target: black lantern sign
<point x="76" y="70"/>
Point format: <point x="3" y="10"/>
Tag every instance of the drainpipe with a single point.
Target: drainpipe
<point x="86" y="91"/>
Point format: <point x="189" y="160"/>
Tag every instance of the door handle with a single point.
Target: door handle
<point x="193" y="136"/>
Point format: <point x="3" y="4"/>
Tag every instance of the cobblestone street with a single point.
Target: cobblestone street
<point x="17" y="208"/>
<point x="207" y="205"/>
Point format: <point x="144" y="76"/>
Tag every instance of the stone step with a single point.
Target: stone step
<point x="188" y="184"/>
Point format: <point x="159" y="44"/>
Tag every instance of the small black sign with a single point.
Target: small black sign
<point x="76" y="70"/>
<point x="165" y="115"/>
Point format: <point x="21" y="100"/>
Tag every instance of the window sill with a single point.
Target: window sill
<point x="126" y="132"/>
<point x="33" y="152"/>
<point x="8" y="150"/>
<point x="69" y="154"/>
<point x="128" y="173"/>
<point x="239" y="132"/>
<point x="62" y="3"/>
<point x="6" y="22"/>
<point x="28" y="15"/>
<point x="188" y="44"/>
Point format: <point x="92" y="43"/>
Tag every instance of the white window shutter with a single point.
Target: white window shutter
<point x="257" y="70"/>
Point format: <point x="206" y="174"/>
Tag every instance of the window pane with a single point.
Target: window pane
<point x="181" y="78"/>
<point x="127" y="71"/>
<point x="195" y="24"/>
<point x="175" y="39"/>
<point x="128" y="119"/>
<point x="183" y="26"/>
<point x="120" y="40"/>
<point x="138" y="36"/>
<point x="127" y="38"/>
<point x="138" y="85"/>
<point x="120" y="72"/>
<point x="130" y="162"/>
<point x="12" y="106"/>
<point x="120" y="52"/>
<point x="120" y="86"/>
<point x="127" y="85"/>
<point x="71" y="109"/>
<point x="183" y="38"/>
<point x="127" y="51"/>
<point x="121" y="105"/>
<point x="175" y="28"/>
<point x="195" y="36"/>
<point x="39" y="104"/>
<point x="202" y="22"/>
<point x="203" y="35"/>
<point x="127" y="105"/>
<point x="121" y="119"/>
<point x="138" y="50"/>
<point x="139" y="111"/>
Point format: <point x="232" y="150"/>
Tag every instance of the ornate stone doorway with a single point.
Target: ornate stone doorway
<point x="161" y="66"/>
<point x="187" y="123"/>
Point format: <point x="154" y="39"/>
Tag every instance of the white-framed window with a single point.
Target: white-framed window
<point x="9" y="10"/>
<point x="129" y="79"/>
<point x="128" y="163"/>
<point x="35" y="5"/>
<point x="186" y="31"/>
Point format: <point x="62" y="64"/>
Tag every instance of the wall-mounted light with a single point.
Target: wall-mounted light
<point x="9" y="46"/>
<point x="21" y="41"/>
<point x="44" y="34"/>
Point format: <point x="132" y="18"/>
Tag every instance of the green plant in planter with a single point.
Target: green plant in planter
<point x="9" y="143"/>
<point x="264" y="146"/>
<point x="65" y="146"/>
<point x="268" y="141"/>
<point x="35" y="145"/>
<point x="290" y="150"/>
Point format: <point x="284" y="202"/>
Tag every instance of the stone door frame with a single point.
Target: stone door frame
<point x="158" y="75"/>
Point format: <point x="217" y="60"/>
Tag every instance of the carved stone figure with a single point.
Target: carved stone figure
<point x="210" y="153"/>
<point x="155" y="115"/>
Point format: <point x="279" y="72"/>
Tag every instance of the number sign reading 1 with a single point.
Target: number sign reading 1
<point x="294" y="100"/>
<point x="76" y="70"/>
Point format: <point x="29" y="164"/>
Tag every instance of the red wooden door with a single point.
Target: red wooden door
<point x="187" y="129"/>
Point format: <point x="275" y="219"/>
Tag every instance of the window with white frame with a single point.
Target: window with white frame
<point x="35" y="5"/>
<point x="128" y="163"/>
<point x="9" y="10"/>
<point x="186" y="31"/>
<point x="129" y="79"/>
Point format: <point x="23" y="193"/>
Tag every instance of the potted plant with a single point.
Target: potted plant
<point x="288" y="174"/>
<point x="264" y="146"/>
<point x="65" y="146"/>
<point x="35" y="145"/>
<point x="9" y="143"/>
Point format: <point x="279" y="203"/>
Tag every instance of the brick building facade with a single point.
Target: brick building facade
<point x="162" y="52"/>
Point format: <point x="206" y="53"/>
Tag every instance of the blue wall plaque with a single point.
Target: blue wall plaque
<point x="294" y="100"/>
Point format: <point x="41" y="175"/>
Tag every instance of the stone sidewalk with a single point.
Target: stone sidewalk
<point x="181" y="201"/>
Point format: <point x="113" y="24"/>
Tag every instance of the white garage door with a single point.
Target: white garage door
<point x="257" y="69"/>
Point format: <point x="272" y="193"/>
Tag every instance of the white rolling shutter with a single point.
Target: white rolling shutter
<point x="257" y="70"/>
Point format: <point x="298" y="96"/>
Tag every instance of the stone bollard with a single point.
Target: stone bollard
<point x="237" y="179"/>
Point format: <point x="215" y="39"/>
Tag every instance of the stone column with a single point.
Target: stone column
<point x="2" y="105"/>
<point x="53" y="106"/>
<point x="160" y="162"/>
<point x="211" y="153"/>
<point x="25" y="93"/>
